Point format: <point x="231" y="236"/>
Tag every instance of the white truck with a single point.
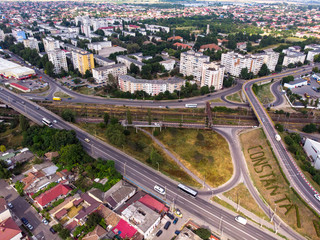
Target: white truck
<point x="277" y="137"/>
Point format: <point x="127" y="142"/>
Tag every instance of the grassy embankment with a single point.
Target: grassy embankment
<point x="273" y="185"/>
<point x="139" y="146"/>
<point x="236" y="97"/>
<point x="61" y="95"/>
<point x="264" y="94"/>
<point x="205" y="153"/>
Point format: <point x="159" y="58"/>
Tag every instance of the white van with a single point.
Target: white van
<point x="241" y="220"/>
<point x="159" y="189"/>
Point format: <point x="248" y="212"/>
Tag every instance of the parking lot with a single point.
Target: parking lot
<point x="308" y="89"/>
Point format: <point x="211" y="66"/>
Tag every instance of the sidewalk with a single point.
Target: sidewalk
<point x="254" y="218"/>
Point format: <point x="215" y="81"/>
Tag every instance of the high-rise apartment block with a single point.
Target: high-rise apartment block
<point x="31" y="43"/>
<point x="212" y="75"/>
<point x="58" y="59"/>
<point x="50" y="44"/>
<point x="314" y="50"/>
<point x="191" y="63"/>
<point x="82" y="60"/>
<point x="101" y="74"/>
<point x="235" y="62"/>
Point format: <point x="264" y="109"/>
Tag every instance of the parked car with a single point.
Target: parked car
<point x="24" y="221"/>
<point x="10" y="205"/>
<point x="177" y="232"/>
<point x="178" y="213"/>
<point x="52" y="230"/>
<point x="45" y="221"/>
<point x="170" y="216"/>
<point x="167" y="225"/>
<point x="30" y="226"/>
<point x="175" y="221"/>
<point x="159" y="233"/>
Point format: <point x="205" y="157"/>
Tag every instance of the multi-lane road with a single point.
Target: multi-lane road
<point x="142" y="175"/>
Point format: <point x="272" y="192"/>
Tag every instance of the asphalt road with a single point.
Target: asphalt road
<point x="23" y="209"/>
<point x="142" y="175"/>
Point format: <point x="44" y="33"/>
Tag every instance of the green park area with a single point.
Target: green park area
<point x="61" y="95"/>
<point x="204" y="152"/>
<point x="274" y="187"/>
<point x="141" y="147"/>
<point x="264" y="93"/>
<point x="235" y="97"/>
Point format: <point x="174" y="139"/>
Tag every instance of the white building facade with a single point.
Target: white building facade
<point x="191" y="63"/>
<point x="212" y="75"/>
<point x="101" y="74"/>
<point x="31" y="43"/>
<point x="58" y="59"/>
<point x="312" y="149"/>
<point x="50" y="44"/>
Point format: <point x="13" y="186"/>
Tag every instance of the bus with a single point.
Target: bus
<point x="56" y="99"/>
<point x="191" y="105"/>
<point x="188" y="190"/>
<point x="47" y="122"/>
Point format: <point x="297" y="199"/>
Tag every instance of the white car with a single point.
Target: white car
<point x="241" y="220"/>
<point x="317" y="196"/>
<point x="54" y="121"/>
<point x="159" y="189"/>
<point x="45" y="221"/>
<point x="87" y="140"/>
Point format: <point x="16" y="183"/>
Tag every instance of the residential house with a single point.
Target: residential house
<point x="4" y="210"/>
<point x="51" y="155"/>
<point x="211" y="47"/>
<point x="144" y="219"/>
<point x="241" y="45"/>
<point x="9" y="230"/>
<point x="182" y="45"/>
<point x="96" y="234"/>
<point x="52" y="194"/>
<point x="115" y="196"/>
<point x="89" y="205"/>
<point x="175" y="38"/>
<point x="153" y="204"/>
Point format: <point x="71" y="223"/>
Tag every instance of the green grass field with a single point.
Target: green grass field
<point x="265" y="95"/>
<point x="204" y="152"/>
<point x="236" y="97"/>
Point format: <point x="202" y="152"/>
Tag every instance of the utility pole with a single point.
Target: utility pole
<point x="124" y="169"/>
<point x="220" y="224"/>
<point x="274" y="213"/>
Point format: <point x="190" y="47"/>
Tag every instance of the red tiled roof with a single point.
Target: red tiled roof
<point x="8" y="229"/>
<point x="182" y="45"/>
<point x="71" y="225"/>
<point x="106" y="27"/>
<point x="61" y="213"/>
<point x="125" y="229"/>
<point x="152" y="203"/>
<point x="19" y="86"/>
<point x="134" y="26"/>
<point x="210" y="46"/>
<point x="175" y="38"/>
<point x="52" y="194"/>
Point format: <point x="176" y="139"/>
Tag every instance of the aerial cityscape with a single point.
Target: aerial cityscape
<point x="159" y="119"/>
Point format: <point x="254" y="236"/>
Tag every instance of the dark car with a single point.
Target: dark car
<point x="170" y="216"/>
<point x="208" y="95"/>
<point x="177" y="232"/>
<point x="179" y="100"/>
<point x="24" y="221"/>
<point x="159" y="233"/>
<point x="175" y="221"/>
<point x="167" y="225"/>
<point x="52" y="230"/>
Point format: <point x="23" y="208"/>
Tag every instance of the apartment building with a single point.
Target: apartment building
<point x="50" y="44"/>
<point x="315" y="50"/>
<point x="101" y="74"/>
<point x="82" y="60"/>
<point x="152" y="87"/>
<point x="58" y="59"/>
<point x="102" y="61"/>
<point x="293" y="57"/>
<point x="31" y="43"/>
<point x="270" y="58"/>
<point x="97" y="46"/>
<point x="191" y="63"/>
<point x="235" y="62"/>
<point x="212" y="75"/>
<point x="168" y="64"/>
<point x="127" y="61"/>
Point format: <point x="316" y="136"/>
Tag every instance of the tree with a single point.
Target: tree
<point x="309" y="128"/>
<point x="244" y="73"/>
<point x="24" y="123"/>
<point x="64" y="233"/>
<point x="291" y="65"/>
<point x="279" y="127"/>
<point x="68" y="115"/>
<point x="134" y="69"/>
<point x="129" y="117"/>
<point x="203" y="233"/>
<point x="149" y="117"/>
<point x="133" y="48"/>
<point x="114" y="134"/>
<point x="112" y="79"/>
<point x="70" y="154"/>
<point x="3" y="148"/>
<point x="48" y="69"/>
<point x="204" y="90"/>
<point x="227" y="82"/>
<point x="19" y="186"/>
<point x="264" y="70"/>
<point x="249" y="47"/>
<point x="155" y="158"/>
<point x="106" y="118"/>
<point x="88" y="74"/>
<point x="316" y="58"/>
<point x="93" y="220"/>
